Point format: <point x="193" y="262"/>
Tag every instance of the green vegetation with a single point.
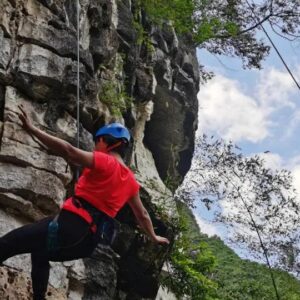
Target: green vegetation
<point x="261" y="203"/>
<point x="115" y="98"/>
<point x="226" y="27"/>
<point x="228" y="277"/>
<point x="246" y="280"/>
<point x="178" y="13"/>
<point x="191" y="263"/>
<point x="142" y="36"/>
<point x="112" y="90"/>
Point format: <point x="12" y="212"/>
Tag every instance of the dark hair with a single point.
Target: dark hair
<point x="110" y="141"/>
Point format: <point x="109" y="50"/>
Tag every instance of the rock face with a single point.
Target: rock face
<point x="38" y="69"/>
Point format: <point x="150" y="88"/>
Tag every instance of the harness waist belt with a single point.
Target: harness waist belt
<point x="80" y="202"/>
<point x="85" y="210"/>
<point x="102" y="225"/>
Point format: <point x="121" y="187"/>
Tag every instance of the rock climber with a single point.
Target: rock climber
<point x="104" y="187"/>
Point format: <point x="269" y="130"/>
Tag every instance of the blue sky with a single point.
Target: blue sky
<point x="258" y="109"/>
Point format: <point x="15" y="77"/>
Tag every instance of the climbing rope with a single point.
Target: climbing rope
<point x="78" y="80"/>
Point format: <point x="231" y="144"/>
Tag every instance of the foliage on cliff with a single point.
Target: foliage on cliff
<point x="239" y="279"/>
<point x="191" y="263"/>
<point x="228" y="27"/>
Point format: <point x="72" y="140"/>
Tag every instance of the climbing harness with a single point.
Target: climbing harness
<point x="74" y="205"/>
<point x="100" y="224"/>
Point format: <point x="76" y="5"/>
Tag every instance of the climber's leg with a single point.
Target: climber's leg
<point x="31" y="238"/>
<point x="39" y="275"/>
<point x="75" y="241"/>
<point x="26" y="239"/>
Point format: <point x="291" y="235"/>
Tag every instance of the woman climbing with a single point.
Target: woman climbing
<point x="85" y="219"/>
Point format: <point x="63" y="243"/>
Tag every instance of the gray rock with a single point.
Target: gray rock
<point x="170" y="139"/>
<point x="147" y="174"/>
<point x="169" y="35"/>
<point x="125" y="23"/>
<point x="2" y="103"/>
<point x="13" y="98"/>
<point x="190" y="65"/>
<point x="170" y="132"/>
<point x="62" y="41"/>
<point x="163" y="69"/>
<point x="58" y="276"/>
<point x="184" y="85"/>
<point x="67" y="126"/>
<point x="56" y="7"/>
<point x="164" y="294"/>
<point x="6" y="11"/>
<point x="5" y="51"/>
<point x="76" y="270"/>
<point x="60" y="124"/>
<point x="139" y="270"/>
<point x="16" y="205"/>
<point x="144" y="83"/>
<point x="15" y="133"/>
<point x="17" y="153"/>
<point x="42" y="188"/>
<point x="101" y="274"/>
<point x="103" y="36"/>
<point x="43" y="74"/>
<point x="158" y="40"/>
<point x="37" y="9"/>
<point x="9" y="222"/>
<point x="115" y="17"/>
<point x="15" y="284"/>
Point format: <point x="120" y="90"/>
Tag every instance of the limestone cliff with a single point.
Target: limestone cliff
<point x="150" y="85"/>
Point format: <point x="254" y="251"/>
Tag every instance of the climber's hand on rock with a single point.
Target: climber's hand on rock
<point x="161" y="240"/>
<point x="26" y="123"/>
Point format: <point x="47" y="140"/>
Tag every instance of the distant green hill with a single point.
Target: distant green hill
<point x="240" y="279"/>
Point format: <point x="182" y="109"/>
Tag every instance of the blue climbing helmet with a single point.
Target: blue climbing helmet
<point x="117" y="130"/>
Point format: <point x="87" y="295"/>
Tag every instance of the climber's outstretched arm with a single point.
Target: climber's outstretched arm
<point x="144" y="220"/>
<point x="59" y="146"/>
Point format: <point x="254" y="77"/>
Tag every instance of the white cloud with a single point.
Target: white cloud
<point x="272" y="160"/>
<point x="207" y="227"/>
<point x="226" y="110"/>
<point x="292" y="125"/>
<point x="274" y="90"/>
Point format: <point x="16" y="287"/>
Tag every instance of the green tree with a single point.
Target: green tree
<point x="236" y="278"/>
<point x="191" y="263"/>
<point x="228" y="27"/>
<point x="258" y="203"/>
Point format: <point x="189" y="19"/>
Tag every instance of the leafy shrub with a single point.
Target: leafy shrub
<point x="191" y="264"/>
<point x="116" y="100"/>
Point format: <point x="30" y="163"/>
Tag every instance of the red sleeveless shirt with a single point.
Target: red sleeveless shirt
<point x="108" y="185"/>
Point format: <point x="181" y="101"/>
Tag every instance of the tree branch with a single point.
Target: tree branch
<point x="226" y="36"/>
